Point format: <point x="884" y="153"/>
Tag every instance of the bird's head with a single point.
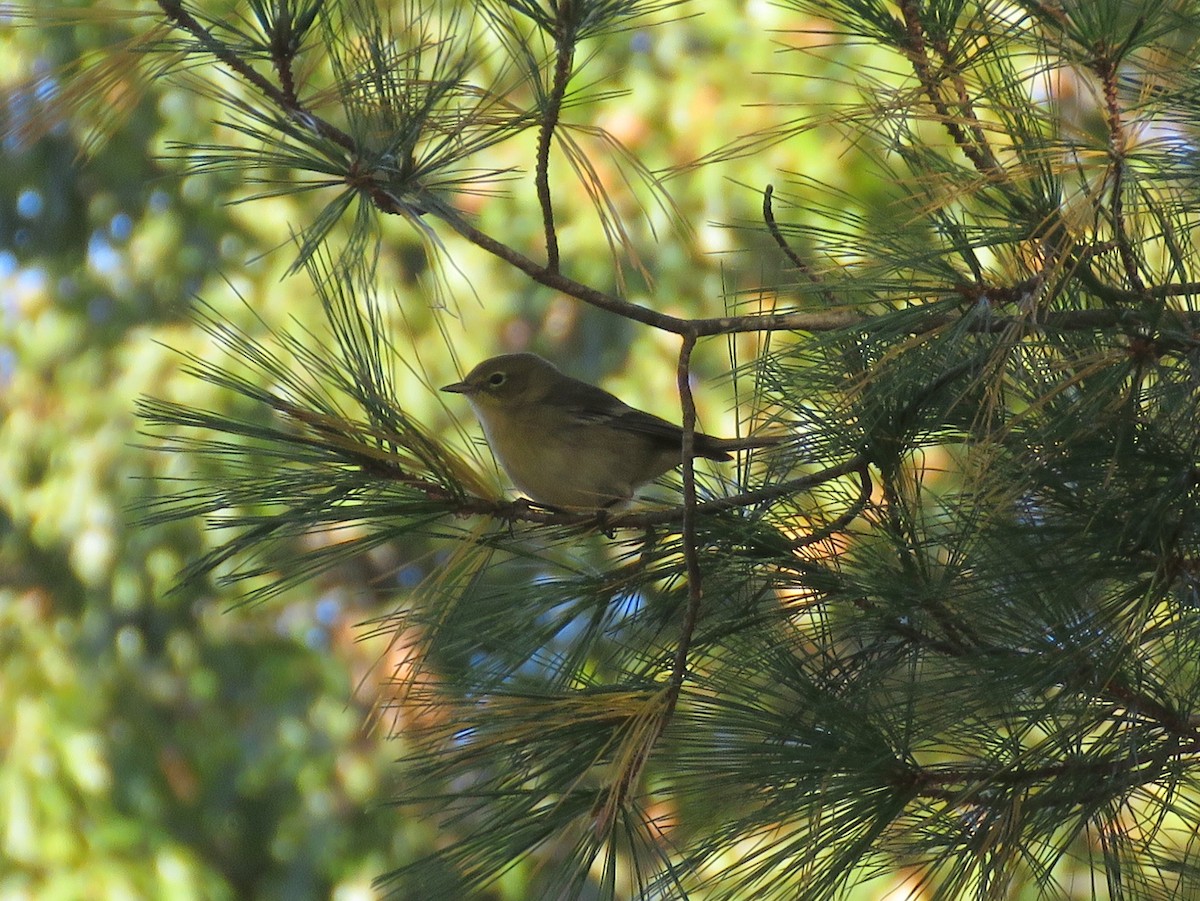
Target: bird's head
<point x="509" y="380"/>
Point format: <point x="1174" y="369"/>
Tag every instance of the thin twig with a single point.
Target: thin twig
<point x="690" y="553"/>
<point x="283" y="51"/>
<point x="1106" y="69"/>
<point x="851" y="514"/>
<point x="823" y="321"/>
<point x="797" y="261"/>
<point x="963" y="98"/>
<point x="970" y="784"/>
<point x="564" y="47"/>
<point x="1112" y="691"/>
<point x="517" y="511"/>
<point x="636" y="763"/>
<point x="981" y="156"/>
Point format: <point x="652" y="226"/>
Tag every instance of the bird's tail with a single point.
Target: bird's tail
<point x="722" y="448"/>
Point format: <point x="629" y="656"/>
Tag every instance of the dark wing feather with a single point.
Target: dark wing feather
<point x="590" y="405"/>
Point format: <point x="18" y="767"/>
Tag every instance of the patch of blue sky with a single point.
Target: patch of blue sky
<point x="30" y="203"/>
<point x="102" y="257"/>
<point x="120" y="227"/>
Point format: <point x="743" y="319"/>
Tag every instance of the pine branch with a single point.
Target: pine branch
<point x="968" y="628"/>
<point x="181" y="18"/>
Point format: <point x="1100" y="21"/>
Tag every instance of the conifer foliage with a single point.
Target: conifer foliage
<point x="949" y="627"/>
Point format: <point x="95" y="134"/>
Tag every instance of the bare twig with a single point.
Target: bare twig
<point x="851" y="514"/>
<point x="564" y="47"/>
<point x="823" y="321"/>
<point x="969" y="785"/>
<point x="690" y="553"/>
<point x="633" y="767"/>
<point x="797" y="261"/>
<point x="1106" y="68"/>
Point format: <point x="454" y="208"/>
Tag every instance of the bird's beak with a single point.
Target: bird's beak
<point x="459" y="388"/>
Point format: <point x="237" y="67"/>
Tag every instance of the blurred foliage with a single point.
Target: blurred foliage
<point x="160" y="743"/>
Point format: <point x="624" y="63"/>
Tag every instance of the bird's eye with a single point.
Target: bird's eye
<point x="496" y="379"/>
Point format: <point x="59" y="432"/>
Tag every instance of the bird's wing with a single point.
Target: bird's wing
<point x="659" y="430"/>
<point x="590" y="405"/>
<point x="668" y="435"/>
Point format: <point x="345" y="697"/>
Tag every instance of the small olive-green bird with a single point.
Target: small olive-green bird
<point x="570" y="445"/>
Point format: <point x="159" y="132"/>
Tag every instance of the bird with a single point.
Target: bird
<point x="569" y="445"/>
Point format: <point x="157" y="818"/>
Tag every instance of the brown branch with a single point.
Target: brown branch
<point x="1149" y="708"/>
<point x="632" y="769"/>
<point x="980" y="155"/>
<point x="344" y="440"/>
<point x="522" y="511"/>
<point x="564" y="45"/>
<point x="969" y="784"/>
<point x="690" y="555"/>
<point x="1111" y="692"/>
<point x="963" y="99"/>
<point x="823" y="321"/>
<point x="283" y="52"/>
<point x="1106" y="68"/>
<point x="378" y="464"/>
<point x="612" y="304"/>
<point x="800" y="264"/>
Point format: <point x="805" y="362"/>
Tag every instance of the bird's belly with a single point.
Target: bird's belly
<point x="566" y="471"/>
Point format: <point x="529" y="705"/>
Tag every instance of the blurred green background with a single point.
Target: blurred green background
<point x="172" y="744"/>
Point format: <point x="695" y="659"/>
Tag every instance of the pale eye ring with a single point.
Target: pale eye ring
<point x="496" y="379"/>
